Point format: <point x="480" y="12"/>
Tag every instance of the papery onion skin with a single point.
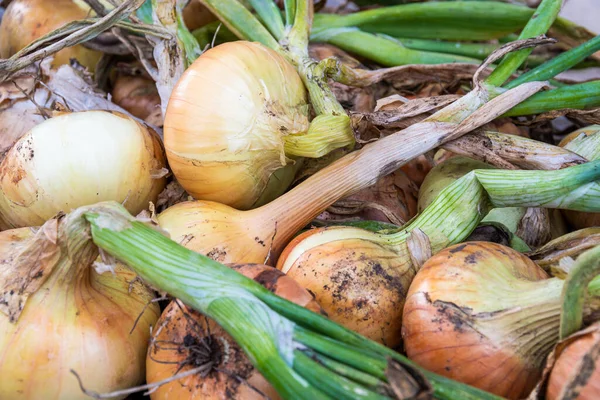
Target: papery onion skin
<point x="27" y="20"/>
<point x="177" y="327"/>
<point x="76" y="159"/>
<point x="195" y="15"/>
<point x="77" y="320"/>
<point x="360" y="283"/>
<point x="227" y="119"/>
<point x="567" y="363"/>
<point x="457" y="312"/>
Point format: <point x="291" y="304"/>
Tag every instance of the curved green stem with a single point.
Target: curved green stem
<point x="270" y="16"/>
<point x="575" y="289"/>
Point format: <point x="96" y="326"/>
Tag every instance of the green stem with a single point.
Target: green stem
<point x="338" y="387"/>
<point x="581" y="96"/>
<point x="290" y="11"/>
<point x="241" y="22"/>
<point x="446" y="21"/>
<point x="539" y="24"/>
<point x="270" y="15"/>
<point x="558" y="64"/>
<point x="351" y="373"/>
<point x="575" y="289"/>
<point x="300" y="30"/>
<point x="384" y="50"/>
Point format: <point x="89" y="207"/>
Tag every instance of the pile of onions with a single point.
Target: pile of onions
<point x="185" y="339"/>
<point x="58" y="314"/>
<point x="27" y="20"/>
<point x="80" y="158"/>
<point x="483" y="314"/>
<point x="228" y="121"/>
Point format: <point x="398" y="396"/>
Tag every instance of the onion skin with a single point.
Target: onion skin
<point x="216" y="385"/>
<point x="77" y="320"/>
<point x="468" y="312"/>
<point x="27" y="20"/>
<point x="227" y="119"/>
<point x="360" y="283"/>
<point x="136" y="94"/>
<point x="76" y="159"/>
<point x="568" y="362"/>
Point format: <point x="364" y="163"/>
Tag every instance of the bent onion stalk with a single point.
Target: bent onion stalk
<point x="80" y="158"/>
<point x="361" y="278"/>
<point x="486" y="315"/>
<point x="278" y="336"/>
<point x="58" y="313"/>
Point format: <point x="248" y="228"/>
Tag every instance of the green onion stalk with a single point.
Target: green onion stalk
<point x="303" y="354"/>
<point x="331" y="128"/>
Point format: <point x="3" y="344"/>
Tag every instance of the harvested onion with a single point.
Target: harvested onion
<point x="136" y="94"/>
<point x="228" y="121"/>
<point x="79" y="158"/>
<point x="27" y="20"/>
<point x="483" y="314"/>
<point x="57" y="313"/>
<point x="181" y="331"/>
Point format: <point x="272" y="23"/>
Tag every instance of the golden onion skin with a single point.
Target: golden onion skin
<point x="77" y="320"/>
<point x="360" y="283"/>
<point x="458" y="312"/>
<point x="77" y="159"/>
<point x="227" y="119"/>
<point x="27" y="20"/>
<point x="568" y="366"/>
<point x="179" y="328"/>
<point x="136" y="94"/>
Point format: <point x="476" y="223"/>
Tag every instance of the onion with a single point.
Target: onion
<point x="195" y="15"/>
<point x="483" y="314"/>
<point x="577" y="361"/>
<point x="27" y="20"/>
<point x="79" y="158"/>
<point x="584" y="142"/>
<point x="67" y="316"/>
<point x="228" y="121"/>
<point x="181" y="331"/>
<point x="136" y="94"/>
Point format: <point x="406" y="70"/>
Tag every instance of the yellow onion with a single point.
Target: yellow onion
<point x="27" y="20"/>
<point x="577" y="362"/>
<point x="136" y="94"/>
<point x="360" y="280"/>
<point x="483" y="314"/>
<point x="76" y="159"/>
<point x="585" y="142"/>
<point x="58" y="314"/>
<point x="228" y="121"/>
<point x="185" y="339"/>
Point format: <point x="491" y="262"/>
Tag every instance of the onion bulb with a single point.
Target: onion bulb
<point x="586" y="143"/>
<point x="195" y="15"/>
<point x="27" y="20"/>
<point x="227" y="123"/>
<point x="483" y="314"/>
<point x="181" y="332"/>
<point x="76" y="159"/>
<point x="577" y="362"/>
<point x="66" y="316"/>
<point x="136" y="94"/>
